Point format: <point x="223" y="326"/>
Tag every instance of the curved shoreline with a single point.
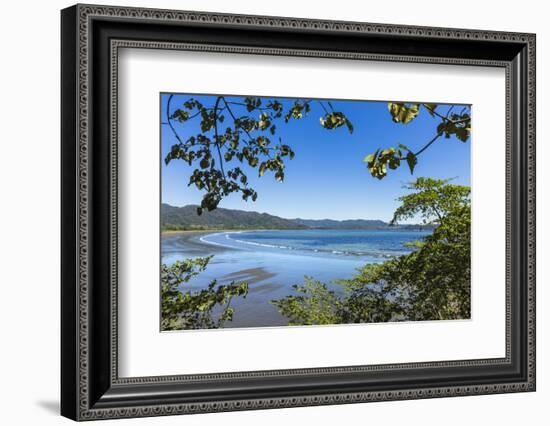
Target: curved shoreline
<point x="191" y="240"/>
<point x="203" y="243"/>
<point x="213" y="243"/>
<point x="273" y="247"/>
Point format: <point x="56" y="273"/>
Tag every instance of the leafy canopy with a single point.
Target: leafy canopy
<point x="432" y="200"/>
<point x="315" y="304"/>
<point x="194" y="310"/>
<point x="451" y="123"/>
<point x="239" y="134"/>
<point x="248" y="139"/>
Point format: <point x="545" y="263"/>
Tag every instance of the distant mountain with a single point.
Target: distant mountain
<point x="179" y="218"/>
<point x="184" y="218"/>
<point x="341" y="224"/>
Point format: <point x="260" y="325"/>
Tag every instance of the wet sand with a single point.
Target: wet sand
<point x="192" y="243"/>
<point x="195" y="247"/>
<point x="250" y="275"/>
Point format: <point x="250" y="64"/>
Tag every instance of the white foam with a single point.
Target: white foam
<point x="214" y="243"/>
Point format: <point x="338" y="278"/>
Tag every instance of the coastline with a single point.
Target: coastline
<point x="187" y="232"/>
<point x="192" y="243"/>
<point x="214" y="231"/>
<point x="195" y="247"/>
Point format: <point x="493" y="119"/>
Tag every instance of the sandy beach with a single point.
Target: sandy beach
<point x="193" y="246"/>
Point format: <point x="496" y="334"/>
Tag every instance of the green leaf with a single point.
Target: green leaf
<point x="180" y="115"/>
<point x="369" y="158"/>
<point x="402" y="113"/>
<point x="394" y="163"/>
<point x="461" y="130"/>
<point x="462" y="133"/>
<point x="262" y="169"/>
<point x="334" y="120"/>
<point x="411" y="161"/>
<point x="349" y="126"/>
<point x="431" y="108"/>
<point x="204" y="163"/>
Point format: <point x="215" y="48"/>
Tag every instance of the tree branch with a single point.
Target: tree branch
<point x="446" y="118"/>
<point x="425" y="147"/>
<point x="428" y="144"/>
<point x="320" y="103"/>
<point x="168" y="118"/>
<point x="440" y="133"/>
<point x="233" y="116"/>
<point x="245" y="105"/>
<point x="216" y="136"/>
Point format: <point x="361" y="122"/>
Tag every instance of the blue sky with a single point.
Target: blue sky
<point x="327" y="178"/>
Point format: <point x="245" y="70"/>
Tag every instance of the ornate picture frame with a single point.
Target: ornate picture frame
<point x="91" y="38"/>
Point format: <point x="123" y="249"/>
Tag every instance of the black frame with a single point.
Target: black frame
<point x="90" y="386"/>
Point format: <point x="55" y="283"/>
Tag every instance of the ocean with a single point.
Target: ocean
<point x="273" y="261"/>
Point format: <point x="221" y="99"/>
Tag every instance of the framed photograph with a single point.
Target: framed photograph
<point x="263" y="212"/>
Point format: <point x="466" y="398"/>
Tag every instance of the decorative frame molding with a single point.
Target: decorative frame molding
<point x="91" y="37"/>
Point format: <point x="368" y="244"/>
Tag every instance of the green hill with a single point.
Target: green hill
<point x="184" y="218"/>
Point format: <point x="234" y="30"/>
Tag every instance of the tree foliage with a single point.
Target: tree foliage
<point x="431" y="283"/>
<point x="451" y="123"/>
<point x="432" y="200"/>
<point x="195" y="310"/>
<point x="239" y="134"/>
<point x="315" y="304"/>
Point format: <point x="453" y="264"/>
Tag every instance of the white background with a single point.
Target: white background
<point x="29" y="225"/>
<point x="140" y="343"/>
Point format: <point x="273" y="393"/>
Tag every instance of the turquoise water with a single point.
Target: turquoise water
<point x="272" y="261"/>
